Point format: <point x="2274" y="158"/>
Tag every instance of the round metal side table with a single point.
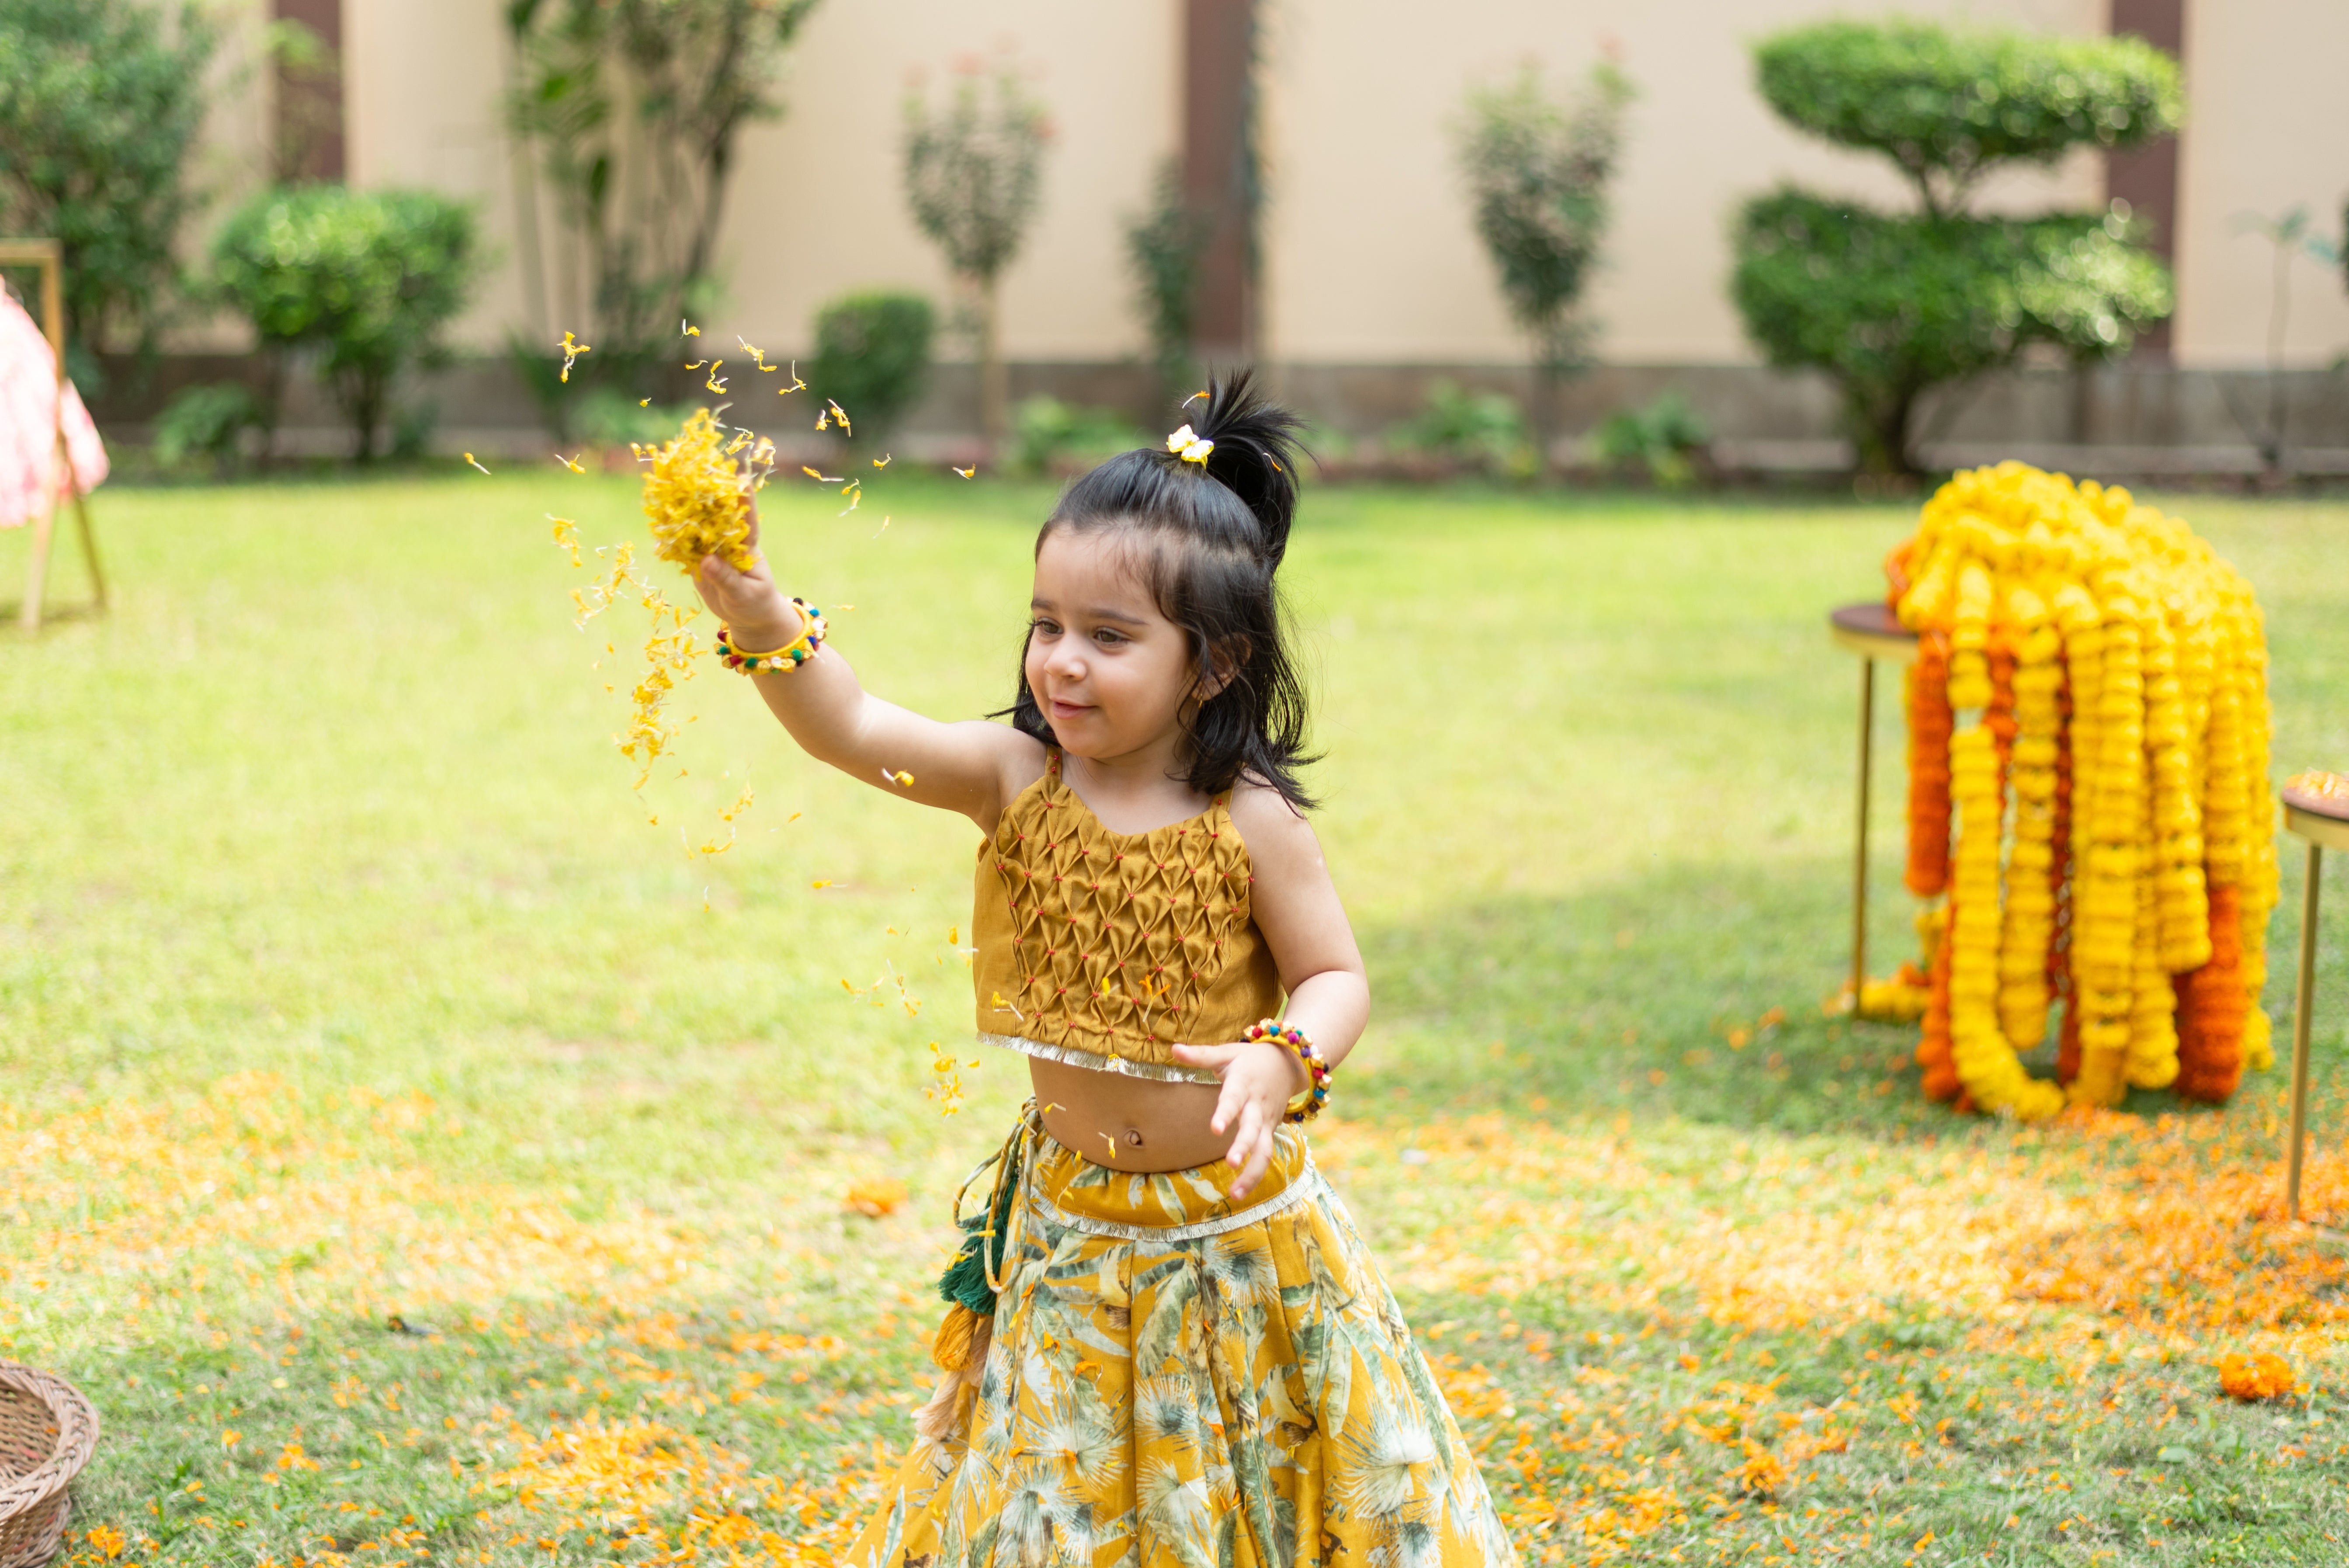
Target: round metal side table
<point x="1873" y="633"/>
<point x="2323" y="822"/>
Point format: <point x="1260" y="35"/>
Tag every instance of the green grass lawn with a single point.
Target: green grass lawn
<point x="343" y="977"/>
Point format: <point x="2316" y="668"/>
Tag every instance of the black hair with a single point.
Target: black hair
<point x="1209" y="537"/>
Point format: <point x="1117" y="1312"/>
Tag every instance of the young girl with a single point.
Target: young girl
<point x="1149" y="1361"/>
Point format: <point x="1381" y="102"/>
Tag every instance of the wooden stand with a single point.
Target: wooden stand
<point x="1873" y="633"/>
<point x="49" y="256"/>
<point x="2325" y="825"/>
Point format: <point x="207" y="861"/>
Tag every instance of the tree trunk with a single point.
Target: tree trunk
<point x="1548" y="383"/>
<point x="365" y="404"/>
<point x="273" y="409"/>
<point x="994" y="378"/>
<point x="1879" y="418"/>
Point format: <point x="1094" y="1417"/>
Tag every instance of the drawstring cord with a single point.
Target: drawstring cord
<point x="1011" y="1161"/>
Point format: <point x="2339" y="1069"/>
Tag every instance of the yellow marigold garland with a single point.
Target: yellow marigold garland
<point x="2161" y="646"/>
<point x="2030" y="923"/>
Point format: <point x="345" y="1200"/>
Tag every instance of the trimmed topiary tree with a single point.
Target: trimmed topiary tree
<point x="1892" y="305"/>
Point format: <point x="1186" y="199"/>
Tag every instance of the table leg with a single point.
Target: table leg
<point x="89" y="548"/>
<point x="37" y="578"/>
<point x="2303" y="998"/>
<point x="1859" y="852"/>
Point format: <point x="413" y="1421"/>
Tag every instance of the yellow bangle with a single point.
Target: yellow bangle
<point x="788" y="657"/>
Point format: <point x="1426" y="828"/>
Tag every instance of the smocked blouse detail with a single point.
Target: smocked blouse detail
<point x="1106" y="949"/>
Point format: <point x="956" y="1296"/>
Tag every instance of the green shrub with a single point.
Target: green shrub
<point x="608" y="417"/>
<point x="208" y="421"/>
<point x="1048" y="433"/>
<point x="1891" y="307"/>
<point x="872" y="357"/>
<point x="1537" y="170"/>
<point x="100" y="103"/>
<point x="364" y="281"/>
<point x="412" y="427"/>
<point x="1483" y="430"/>
<point x="1662" y="440"/>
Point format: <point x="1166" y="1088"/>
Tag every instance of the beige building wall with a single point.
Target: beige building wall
<point x="1370" y="257"/>
<point x="2268" y="130"/>
<point x="816" y="206"/>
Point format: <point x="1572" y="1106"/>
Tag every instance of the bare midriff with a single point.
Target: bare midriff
<point x="1128" y="1123"/>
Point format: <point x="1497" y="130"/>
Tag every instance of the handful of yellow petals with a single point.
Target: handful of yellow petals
<point x="698" y="490"/>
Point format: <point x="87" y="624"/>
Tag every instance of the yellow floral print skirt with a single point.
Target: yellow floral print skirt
<point x="1172" y="1381"/>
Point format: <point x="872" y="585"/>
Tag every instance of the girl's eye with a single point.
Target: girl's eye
<point x="1109" y="638"/>
<point x="1043" y="628"/>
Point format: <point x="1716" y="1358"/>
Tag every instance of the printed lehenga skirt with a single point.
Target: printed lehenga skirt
<point x="1172" y="1381"/>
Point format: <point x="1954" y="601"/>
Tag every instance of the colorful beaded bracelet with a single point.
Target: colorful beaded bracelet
<point x="798" y="651"/>
<point x="1297" y="1040"/>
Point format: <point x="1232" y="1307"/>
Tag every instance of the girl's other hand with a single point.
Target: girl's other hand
<point x="1260" y="1079"/>
<point x="749" y="603"/>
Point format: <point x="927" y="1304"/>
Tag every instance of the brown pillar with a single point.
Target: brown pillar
<point x="2146" y="177"/>
<point x="1219" y="171"/>
<point x="310" y="99"/>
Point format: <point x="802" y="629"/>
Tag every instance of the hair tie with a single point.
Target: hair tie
<point x="1189" y="447"/>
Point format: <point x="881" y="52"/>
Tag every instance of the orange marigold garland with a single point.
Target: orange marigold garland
<point x="1926" y="699"/>
<point x="2260" y="886"/>
<point x="2213" y="1008"/>
<point x="2106" y="664"/>
<point x="1934" y="1040"/>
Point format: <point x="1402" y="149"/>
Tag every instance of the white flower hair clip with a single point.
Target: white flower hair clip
<point x="1188" y="446"/>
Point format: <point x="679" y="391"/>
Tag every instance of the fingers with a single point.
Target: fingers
<point x="1230" y="1105"/>
<point x="1251" y="1127"/>
<point x="1252" y="1149"/>
<point x="1212" y="1057"/>
<point x="1255" y="1167"/>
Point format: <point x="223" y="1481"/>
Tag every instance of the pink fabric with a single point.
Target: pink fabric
<point x="30" y="481"/>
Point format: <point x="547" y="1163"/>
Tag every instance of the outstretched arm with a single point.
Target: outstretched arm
<point x="972" y="767"/>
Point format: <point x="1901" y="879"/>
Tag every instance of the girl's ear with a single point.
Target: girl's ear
<point x="1224" y="661"/>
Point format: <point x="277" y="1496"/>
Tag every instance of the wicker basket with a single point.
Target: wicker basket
<point x="48" y="1432"/>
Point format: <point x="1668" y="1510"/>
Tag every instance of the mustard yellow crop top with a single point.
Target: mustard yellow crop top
<point x="1105" y="950"/>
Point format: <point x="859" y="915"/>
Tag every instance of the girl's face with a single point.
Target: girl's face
<point x="1110" y="674"/>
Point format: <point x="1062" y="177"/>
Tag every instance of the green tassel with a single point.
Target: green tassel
<point x="965" y="1280"/>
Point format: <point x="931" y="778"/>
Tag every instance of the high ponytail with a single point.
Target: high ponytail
<point x="1208" y="537"/>
<point x="1255" y="455"/>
